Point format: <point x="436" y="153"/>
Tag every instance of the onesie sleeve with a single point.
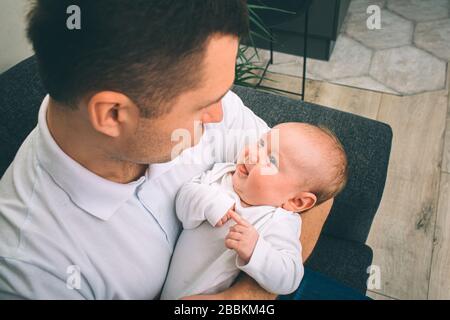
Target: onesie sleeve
<point x="276" y="260"/>
<point x="199" y="200"/>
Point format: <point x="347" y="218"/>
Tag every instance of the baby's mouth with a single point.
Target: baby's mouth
<point x="242" y="169"/>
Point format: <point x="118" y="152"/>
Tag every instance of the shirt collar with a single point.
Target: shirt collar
<point x="94" y="194"/>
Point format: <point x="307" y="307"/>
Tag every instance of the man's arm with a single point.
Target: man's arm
<point x="245" y="288"/>
<point x="312" y="224"/>
<point x="248" y="289"/>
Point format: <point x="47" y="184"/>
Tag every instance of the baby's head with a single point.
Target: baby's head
<point x="294" y="166"/>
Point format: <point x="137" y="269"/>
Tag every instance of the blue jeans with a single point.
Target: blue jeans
<point x="316" y="286"/>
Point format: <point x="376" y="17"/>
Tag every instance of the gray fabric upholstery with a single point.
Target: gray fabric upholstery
<point x="340" y="252"/>
<point x="342" y="260"/>
<point x="21" y="95"/>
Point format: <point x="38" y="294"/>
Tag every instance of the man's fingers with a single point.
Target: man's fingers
<point x="238" y="219"/>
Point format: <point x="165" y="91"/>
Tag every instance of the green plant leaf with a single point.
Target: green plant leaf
<point x="246" y="68"/>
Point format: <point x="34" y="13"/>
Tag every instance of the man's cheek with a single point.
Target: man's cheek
<point x="194" y="130"/>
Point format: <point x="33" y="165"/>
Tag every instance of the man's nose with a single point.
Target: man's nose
<point x="213" y="114"/>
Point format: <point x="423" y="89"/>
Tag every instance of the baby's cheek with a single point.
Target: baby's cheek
<point x="251" y="187"/>
<point x="262" y="187"/>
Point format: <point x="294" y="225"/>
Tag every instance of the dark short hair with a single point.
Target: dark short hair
<point x="149" y="50"/>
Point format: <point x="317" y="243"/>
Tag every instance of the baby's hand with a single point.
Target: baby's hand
<point x="242" y="237"/>
<point x="225" y="218"/>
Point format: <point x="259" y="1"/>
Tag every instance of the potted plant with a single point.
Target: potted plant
<point x="248" y="71"/>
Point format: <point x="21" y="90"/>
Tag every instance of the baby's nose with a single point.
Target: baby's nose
<point x="254" y="156"/>
<point x="249" y="167"/>
<point x="251" y="155"/>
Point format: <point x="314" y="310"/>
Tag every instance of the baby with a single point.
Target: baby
<point x="245" y="217"/>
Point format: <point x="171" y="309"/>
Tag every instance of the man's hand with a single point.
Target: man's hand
<point x="218" y="296"/>
<point x="244" y="288"/>
<point x="226" y="217"/>
<point x="312" y="224"/>
<point x="242" y="237"/>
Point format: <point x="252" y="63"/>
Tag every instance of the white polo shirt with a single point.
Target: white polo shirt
<point x="66" y="233"/>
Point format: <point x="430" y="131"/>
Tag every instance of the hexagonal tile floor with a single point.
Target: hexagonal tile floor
<point x="420" y="10"/>
<point x="395" y="31"/>
<point x="349" y="59"/>
<point x="434" y="37"/>
<point x="408" y="70"/>
<point x="408" y="55"/>
<point x="360" y="6"/>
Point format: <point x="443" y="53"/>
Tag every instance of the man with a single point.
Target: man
<point x="87" y="206"/>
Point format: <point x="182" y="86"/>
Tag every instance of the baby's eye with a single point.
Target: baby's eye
<point x="261" y="143"/>
<point x="273" y="160"/>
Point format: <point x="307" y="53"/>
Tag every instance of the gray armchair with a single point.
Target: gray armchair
<point x="341" y="252"/>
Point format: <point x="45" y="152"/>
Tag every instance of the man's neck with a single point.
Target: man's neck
<point x="74" y="140"/>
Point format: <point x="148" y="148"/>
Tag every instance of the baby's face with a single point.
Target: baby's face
<point x="270" y="173"/>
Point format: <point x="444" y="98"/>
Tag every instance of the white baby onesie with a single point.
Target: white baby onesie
<point x="201" y="264"/>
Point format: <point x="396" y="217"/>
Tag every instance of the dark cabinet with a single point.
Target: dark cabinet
<point x="325" y="21"/>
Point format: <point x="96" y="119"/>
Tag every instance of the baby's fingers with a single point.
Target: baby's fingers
<point x="234" y="235"/>
<point x="238" y="228"/>
<point x="231" y="244"/>
<point x="223" y="220"/>
<point x="238" y="219"/>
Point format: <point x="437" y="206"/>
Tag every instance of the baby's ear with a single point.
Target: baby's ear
<point x="301" y="202"/>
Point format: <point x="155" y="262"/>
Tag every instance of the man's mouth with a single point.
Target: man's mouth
<point x="242" y="169"/>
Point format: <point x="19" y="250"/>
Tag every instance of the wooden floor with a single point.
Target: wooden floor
<point x="410" y="236"/>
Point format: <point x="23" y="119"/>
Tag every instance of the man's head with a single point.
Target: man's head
<point x="309" y="167"/>
<point x="137" y="70"/>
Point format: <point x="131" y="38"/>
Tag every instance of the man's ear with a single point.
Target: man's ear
<point x="110" y="111"/>
<point x="301" y="202"/>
